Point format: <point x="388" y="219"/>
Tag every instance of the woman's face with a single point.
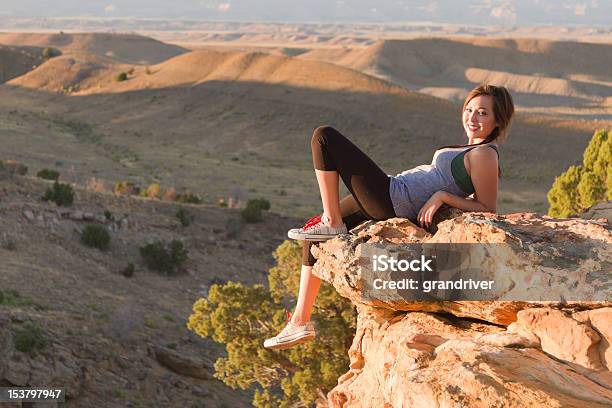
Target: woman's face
<point x="478" y="117"/>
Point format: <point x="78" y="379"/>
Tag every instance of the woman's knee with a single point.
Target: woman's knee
<point x="322" y="135"/>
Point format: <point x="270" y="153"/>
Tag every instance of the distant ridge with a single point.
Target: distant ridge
<point x="94" y="75"/>
<point x="449" y="67"/>
<point x="125" y="48"/>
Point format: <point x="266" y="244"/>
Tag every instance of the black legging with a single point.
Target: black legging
<point x="368" y="184"/>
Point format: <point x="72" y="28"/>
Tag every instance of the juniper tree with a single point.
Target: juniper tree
<point x="241" y="317"/>
<point x="583" y="186"/>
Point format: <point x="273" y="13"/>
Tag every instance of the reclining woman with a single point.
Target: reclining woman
<point x="462" y="176"/>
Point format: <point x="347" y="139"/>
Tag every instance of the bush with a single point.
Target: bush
<point x="188" y="198"/>
<point x="14" y="167"/>
<point x="280" y="378"/>
<point x="122" y="76"/>
<point x="153" y="191"/>
<point x="9" y="298"/>
<point x="262" y="203"/>
<point x="47" y="174"/>
<point x="253" y="210"/>
<point x="49" y="53"/>
<point x="251" y="214"/>
<point x="583" y="186"/>
<point x="61" y="194"/>
<point x="184" y="217"/>
<point x="126" y="188"/>
<point x="29" y="338"/>
<point x="164" y="257"/>
<point x="129" y="270"/>
<point x="96" y="236"/>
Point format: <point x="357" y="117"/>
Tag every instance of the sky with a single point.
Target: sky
<point x="473" y="12"/>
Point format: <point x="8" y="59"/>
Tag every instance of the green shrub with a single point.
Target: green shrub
<point x="61" y="194"/>
<point x="122" y="76"/>
<point x="251" y="214"/>
<point x="47" y="174"/>
<point x="262" y="203"/>
<point x="95" y="236"/>
<point x="108" y="215"/>
<point x="279" y="378"/>
<point x="188" y="198"/>
<point x="184" y="217"/>
<point x="14" y="167"/>
<point x="29" y="338"/>
<point x="253" y="210"/>
<point x="164" y="257"/>
<point x="583" y="186"/>
<point x="9" y="298"/>
<point x="129" y="270"/>
<point x="49" y="53"/>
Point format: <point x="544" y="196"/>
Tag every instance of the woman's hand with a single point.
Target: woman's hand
<point x="428" y="210"/>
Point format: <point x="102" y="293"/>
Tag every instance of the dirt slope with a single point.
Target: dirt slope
<point x="16" y="61"/>
<point x="111" y="339"/>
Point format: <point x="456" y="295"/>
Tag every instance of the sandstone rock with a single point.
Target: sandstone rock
<point x="601" y="321"/>
<point x="509" y="340"/>
<point x="554" y="352"/>
<point x="531" y="259"/>
<point x="28" y="214"/>
<point x="601" y="211"/>
<point x="77" y="215"/>
<point x="182" y="364"/>
<point x="561" y="336"/>
<point x="396" y="363"/>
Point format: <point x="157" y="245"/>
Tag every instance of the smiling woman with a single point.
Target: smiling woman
<point x="461" y="176"/>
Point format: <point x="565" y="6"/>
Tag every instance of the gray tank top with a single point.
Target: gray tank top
<point x="411" y="189"/>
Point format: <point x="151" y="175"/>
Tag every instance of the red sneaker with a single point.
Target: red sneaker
<point x="316" y="229"/>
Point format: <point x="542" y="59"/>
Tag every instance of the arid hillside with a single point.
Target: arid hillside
<point x="114" y="340"/>
<point x="127" y="48"/>
<point x="226" y="122"/>
<point x="546" y="76"/>
<point x="16" y="61"/>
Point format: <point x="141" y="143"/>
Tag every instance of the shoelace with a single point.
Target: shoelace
<point x="313" y="221"/>
<point x="288" y="316"/>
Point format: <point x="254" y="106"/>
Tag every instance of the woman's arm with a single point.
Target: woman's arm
<point x="484" y="174"/>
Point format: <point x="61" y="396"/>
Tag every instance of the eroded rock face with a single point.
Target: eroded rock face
<point x="565" y="263"/>
<point x="480" y="354"/>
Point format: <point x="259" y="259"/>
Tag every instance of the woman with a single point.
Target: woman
<point x="464" y="176"/>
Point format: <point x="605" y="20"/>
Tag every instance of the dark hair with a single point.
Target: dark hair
<point x="503" y="110"/>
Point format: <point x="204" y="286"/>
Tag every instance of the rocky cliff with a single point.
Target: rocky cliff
<point x="499" y="352"/>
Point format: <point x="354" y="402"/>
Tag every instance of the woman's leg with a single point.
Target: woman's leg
<point x="330" y="196"/>
<point x="309" y="284"/>
<point x="335" y="156"/>
<point x="309" y="287"/>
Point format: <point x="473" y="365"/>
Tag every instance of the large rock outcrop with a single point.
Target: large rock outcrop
<point x="499" y="352"/>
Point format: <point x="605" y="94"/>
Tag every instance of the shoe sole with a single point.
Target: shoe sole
<point x="300" y="236"/>
<point x="293" y="341"/>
